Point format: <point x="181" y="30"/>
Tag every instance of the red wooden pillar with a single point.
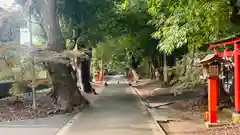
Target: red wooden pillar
<point x="237" y="78"/>
<point x="132" y="76"/>
<point x="213" y="87"/>
<point x="102" y="76"/>
<point x="98" y="75"/>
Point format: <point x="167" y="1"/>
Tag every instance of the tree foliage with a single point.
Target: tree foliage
<point x="190" y="23"/>
<point x="132" y="29"/>
<point x="187" y="73"/>
<point x="91" y="20"/>
<point x="133" y="41"/>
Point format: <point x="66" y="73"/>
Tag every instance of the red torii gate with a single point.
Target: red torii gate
<point x="236" y="54"/>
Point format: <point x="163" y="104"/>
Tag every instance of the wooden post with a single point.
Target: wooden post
<point x="102" y="72"/>
<point x="132" y="76"/>
<point x="237" y="78"/>
<point x="98" y="75"/>
<point x="102" y="76"/>
<point x="213" y="87"/>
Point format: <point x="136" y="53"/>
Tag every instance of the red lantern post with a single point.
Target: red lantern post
<point x="211" y="69"/>
<point x="213" y="84"/>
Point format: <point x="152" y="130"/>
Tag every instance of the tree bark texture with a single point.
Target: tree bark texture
<point x="85" y="68"/>
<point x="65" y="87"/>
<point x="63" y="76"/>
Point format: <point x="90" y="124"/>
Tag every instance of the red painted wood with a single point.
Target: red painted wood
<point x="231" y="41"/>
<point x="98" y="76"/>
<point x="213" y="88"/>
<point x="228" y="54"/>
<point x="102" y="76"/>
<point x="237" y="78"/>
<point x="213" y="82"/>
<point x="132" y="76"/>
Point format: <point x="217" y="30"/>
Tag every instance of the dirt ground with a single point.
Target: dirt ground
<point x="185" y="110"/>
<point x="46" y="107"/>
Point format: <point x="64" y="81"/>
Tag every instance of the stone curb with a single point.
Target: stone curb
<point x="67" y="125"/>
<point x="150" y="112"/>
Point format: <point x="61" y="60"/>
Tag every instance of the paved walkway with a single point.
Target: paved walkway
<point x="116" y="112"/>
<point x="42" y="126"/>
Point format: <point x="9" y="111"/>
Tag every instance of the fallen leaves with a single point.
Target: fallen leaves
<point x="23" y="110"/>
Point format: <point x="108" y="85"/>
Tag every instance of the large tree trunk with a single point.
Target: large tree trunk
<point x="84" y="74"/>
<point x="85" y="68"/>
<point x="65" y="87"/>
<point x="64" y="82"/>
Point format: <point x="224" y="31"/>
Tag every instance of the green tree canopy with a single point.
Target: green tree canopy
<point x="189" y="22"/>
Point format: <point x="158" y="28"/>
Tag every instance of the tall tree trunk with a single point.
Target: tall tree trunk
<point x="158" y="75"/>
<point x="64" y="82"/>
<point x="149" y="69"/>
<point x="165" y="73"/>
<point x="85" y="68"/>
<point x="152" y="69"/>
